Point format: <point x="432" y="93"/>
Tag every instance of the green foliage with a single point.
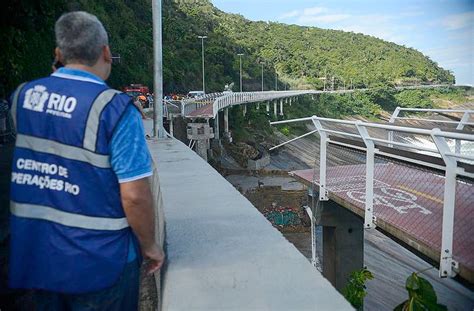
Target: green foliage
<point x="355" y="291"/>
<point x="421" y="296"/>
<point x="285" y="130"/>
<point x="301" y="56"/>
<point x="414" y="99"/>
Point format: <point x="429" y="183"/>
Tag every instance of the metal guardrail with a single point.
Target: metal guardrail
<point x="463" y="121"/>
<point x="451" y="158"/>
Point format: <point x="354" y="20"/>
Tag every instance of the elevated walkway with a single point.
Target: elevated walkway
<point x="222" y="254"/>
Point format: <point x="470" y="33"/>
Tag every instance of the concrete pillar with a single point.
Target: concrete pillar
<point x="291" y="100"/>
<point x="268" y="106"/>
<point x="201" y="148"/>
<point x="245" y="109"/>
<point x="275" y="108"/>
<point x="258" y="106"/>
<point x="281" y="107"/>
<point x="216" y="126"/>
<point x="226" y="120"/>
<point x="343" y="242"/>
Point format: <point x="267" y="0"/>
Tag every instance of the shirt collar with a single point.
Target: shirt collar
<point x="64" y="72"/>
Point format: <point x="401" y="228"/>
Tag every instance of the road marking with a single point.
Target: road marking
<point x="419" y="193"/>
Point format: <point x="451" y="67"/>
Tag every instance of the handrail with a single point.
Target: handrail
<point x="448" y="266"/>
<point x="463" y="121"/>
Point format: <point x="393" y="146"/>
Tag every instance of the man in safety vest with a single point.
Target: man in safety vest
<point x="81" y="205"/>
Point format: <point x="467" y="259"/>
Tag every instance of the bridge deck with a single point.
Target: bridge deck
<point x="203" y="112"/>
<point x="406" y="206"/>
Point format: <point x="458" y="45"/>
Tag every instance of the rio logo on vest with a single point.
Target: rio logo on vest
<point x="57" y="104"/>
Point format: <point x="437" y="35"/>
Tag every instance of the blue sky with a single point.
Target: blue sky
<point x="441" y="29"/>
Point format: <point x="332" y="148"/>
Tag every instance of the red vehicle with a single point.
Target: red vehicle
<point x="135" y="90"/>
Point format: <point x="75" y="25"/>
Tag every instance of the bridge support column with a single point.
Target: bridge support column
<point x="245" y="109"/>
<point x="258" y="106"/>
<point x="281" y="107"/>
<point x="216" y="126"/>
<point x="268" y="106"/>
<point x="275" y="108"/>
<point x="343" y="242"/>
<point x="291" y="99"/>
<point x="226" y="120"/>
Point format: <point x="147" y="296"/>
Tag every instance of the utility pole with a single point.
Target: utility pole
<point x="203" y="72"/>
<point x="240" y="55"/>
<point x="261" y="63"/>
<point x="158" y="129"/>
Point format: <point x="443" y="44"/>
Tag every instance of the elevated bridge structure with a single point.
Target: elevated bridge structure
<point x="415" y="184"/>
<point x="209" y="106"/>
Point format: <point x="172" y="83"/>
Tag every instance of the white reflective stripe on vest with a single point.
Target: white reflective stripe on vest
<point x="62" y="150"/>
<point x="66" y="218"/>
<point x="92" y="125"/>
<point x="15" y="103"/>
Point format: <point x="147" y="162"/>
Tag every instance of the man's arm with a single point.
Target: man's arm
<point x="137" y="203"/>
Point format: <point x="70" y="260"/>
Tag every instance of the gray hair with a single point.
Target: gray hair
<point x="80" y="37"/>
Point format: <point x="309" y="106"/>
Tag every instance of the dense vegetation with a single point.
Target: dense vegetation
<point x="301" y="56"/>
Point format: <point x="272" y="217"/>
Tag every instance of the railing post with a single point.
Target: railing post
<point x="447" y="266"/>
<point x="369" y="217"/>
<point x="463" y="121"/>
<point x="392" y="120"/>
<point x="323" y="193"/>
<point x="460" y="126"/>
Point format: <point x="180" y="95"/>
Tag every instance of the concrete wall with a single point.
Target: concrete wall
<point x="222" y="253"/>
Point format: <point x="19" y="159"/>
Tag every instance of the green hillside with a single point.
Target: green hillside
<point x="301" y="56"/>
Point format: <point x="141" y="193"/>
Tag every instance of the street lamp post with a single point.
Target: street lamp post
<point x="158" y="129"/>
<point x="203" y="73"/>
<point x="240" y="56"/>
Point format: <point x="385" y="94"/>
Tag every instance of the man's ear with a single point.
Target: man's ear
<point x="107" y="54"/>
<point x="58" y="55"/>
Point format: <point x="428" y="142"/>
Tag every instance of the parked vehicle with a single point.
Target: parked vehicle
<point x="136" y="90"/>
<point x="195" y="94"/>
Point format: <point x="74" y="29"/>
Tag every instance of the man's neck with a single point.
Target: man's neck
<point x="90" y="69"/>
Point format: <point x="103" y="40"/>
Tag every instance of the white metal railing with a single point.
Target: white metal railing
<point x="448" y="266"/>
<point x="463" y="121"/>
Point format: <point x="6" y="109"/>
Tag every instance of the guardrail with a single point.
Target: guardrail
<point x="451" y="158"/>
<point x="232" y="99"/>
<point x="463" y="121"/>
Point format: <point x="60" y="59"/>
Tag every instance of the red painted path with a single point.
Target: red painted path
<point x="408" y="204"/>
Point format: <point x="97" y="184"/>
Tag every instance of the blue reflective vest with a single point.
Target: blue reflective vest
<point x="68" y="229"/>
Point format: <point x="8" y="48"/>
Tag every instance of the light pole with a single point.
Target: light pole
<point x="240" y="55"/>
<point x="203" y="74"/>
<point x="261" y="63"/>
<point x="158" y="130"/>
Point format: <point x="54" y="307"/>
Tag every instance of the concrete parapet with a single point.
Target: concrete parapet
<point x="222" y="253"/>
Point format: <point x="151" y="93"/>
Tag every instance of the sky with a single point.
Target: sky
<point x="440" y="29"/>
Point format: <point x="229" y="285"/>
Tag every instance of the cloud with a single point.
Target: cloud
<point x="314" y="11"/>
<point x="458" y="21"/>
<point x="324" y="19"/>
<point x="290" y="14"/>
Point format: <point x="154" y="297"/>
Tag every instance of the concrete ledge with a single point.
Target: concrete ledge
<point x="222" y="253"/>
